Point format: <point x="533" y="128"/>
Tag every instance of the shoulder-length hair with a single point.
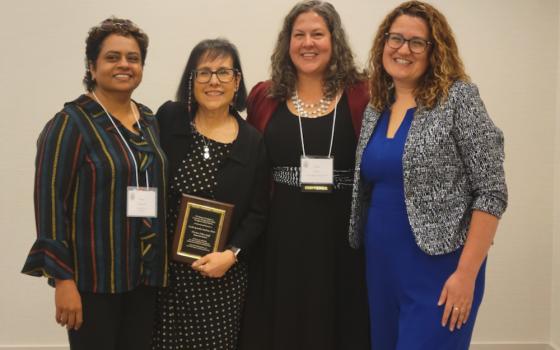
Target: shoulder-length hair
<point x="341" y="70"/>
<point x="211" y="49"/>
<point x="445" y="64"/>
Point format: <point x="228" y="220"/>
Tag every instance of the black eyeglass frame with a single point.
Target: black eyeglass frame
<point x="196" y="73"/>
<point x="407" y="41"/>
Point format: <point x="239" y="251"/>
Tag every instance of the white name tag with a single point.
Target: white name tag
<point x="316" y="170"/>
<point x="141" y="202"/>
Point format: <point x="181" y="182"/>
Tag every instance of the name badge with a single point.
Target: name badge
<point x="316" y="174"/>
<point x="141" y="202"/>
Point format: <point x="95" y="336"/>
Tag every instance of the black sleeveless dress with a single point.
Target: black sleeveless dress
<point x="307" y="289"/>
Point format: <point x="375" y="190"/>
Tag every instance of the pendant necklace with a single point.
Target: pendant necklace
<point x="206" y="149"/>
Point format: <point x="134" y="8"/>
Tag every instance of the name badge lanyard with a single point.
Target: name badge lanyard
<point x="301" y="128"/>
<point x="139" y="202"/>
<point x="124" y="140"/>
<point x="316" y="173"/>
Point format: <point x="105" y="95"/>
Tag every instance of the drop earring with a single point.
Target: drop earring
<point x="189" y="92"/>
<point x="234" y="100"/>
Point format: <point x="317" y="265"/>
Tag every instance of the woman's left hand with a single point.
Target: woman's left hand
<point x="457" y="295"/>
<point x="215" y="264"/>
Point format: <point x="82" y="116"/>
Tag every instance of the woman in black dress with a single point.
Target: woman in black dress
<point x="213" y="153"/>
<point x="307" y="290"/>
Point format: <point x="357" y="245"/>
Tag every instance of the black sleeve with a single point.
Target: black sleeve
<point x="254" y="222"/>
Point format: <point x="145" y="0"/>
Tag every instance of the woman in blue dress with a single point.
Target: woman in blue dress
<point x="429" y="186"/>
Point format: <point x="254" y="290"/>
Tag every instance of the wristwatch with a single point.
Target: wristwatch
<point x="235" y="251"/>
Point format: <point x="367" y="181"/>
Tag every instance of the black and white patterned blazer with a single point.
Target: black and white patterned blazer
<point x="452" y="164"/>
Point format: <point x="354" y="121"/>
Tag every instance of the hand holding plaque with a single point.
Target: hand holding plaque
<point x="202" y="228"/>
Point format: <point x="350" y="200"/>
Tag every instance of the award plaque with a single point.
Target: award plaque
<point x="202" y="228"/>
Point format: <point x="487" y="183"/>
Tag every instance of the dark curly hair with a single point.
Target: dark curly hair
<point x="98" y="34"/>
<point x="341" y="70"/>
<point x="445" y="64"/>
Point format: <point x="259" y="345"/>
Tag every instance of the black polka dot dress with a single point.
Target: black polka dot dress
<point x="197" y="312"/>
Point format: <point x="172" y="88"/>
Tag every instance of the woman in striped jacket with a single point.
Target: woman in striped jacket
<point x="99" y="200"/>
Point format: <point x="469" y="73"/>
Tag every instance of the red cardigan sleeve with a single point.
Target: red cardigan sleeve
<point x="358" y="99"/>
<point x="260" y="106"/>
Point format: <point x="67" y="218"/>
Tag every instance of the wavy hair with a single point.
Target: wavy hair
<point x="445" y="64"/>
<point x="341" y="71"/>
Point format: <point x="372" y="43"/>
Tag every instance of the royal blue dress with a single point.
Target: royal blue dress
<point x="404" y="283"/>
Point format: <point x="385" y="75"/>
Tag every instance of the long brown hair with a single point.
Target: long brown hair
<point x="445" y="64"/>
<point x="341" y="70"/>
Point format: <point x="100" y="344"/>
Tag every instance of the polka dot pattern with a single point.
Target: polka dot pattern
<point x="197" y="312"/>
<point x="195" y="174"/>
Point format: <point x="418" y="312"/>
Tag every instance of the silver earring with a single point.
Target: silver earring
<point x="189" y="92"/>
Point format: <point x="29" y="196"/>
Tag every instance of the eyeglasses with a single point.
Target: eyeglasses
<point x="416" y="45"/>
<point x="224" y="75"/>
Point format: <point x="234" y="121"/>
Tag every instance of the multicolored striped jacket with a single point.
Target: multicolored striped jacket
<point x="83" y="169"/>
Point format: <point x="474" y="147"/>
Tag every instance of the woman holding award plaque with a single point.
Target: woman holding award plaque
<point x="308" y="289"/>
<point x="214" y="154"/>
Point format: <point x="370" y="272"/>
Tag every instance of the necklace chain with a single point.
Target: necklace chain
<point x="311" y="110"/>
<point x="205" y="148"/>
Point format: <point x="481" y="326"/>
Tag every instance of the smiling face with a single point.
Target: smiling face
<point x="310" y="44"/>
<point x="215" y="95"/>
<point x="118" y="68"/>
<point x="405" y="67"/>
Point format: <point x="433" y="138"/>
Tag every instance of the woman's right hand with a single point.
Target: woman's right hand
<point x="215" y="264"/>
<point x="68" y="304"/>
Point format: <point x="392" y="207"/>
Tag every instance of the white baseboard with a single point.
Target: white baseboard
<point x="511" y="346"/>
<point x="477" y="346"/>
<point x="34" y="347"/>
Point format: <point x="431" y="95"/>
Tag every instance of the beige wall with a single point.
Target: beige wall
<point x="509" y="52"/>
<point x="555" y="297"/>
<point x="510" y="48"/>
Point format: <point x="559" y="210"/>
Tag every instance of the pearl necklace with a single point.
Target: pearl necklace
<point x="311" y="110"/>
